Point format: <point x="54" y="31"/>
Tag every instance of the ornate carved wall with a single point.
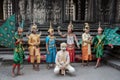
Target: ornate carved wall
<point x="41" y="11"/>
<point x="58" y="11"/>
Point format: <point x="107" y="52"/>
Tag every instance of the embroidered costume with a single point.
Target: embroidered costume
<point x="71" y="37"/>
<point x="86" y="44"/>
<point x="50" y="47"/>
<point x="34" y="49"/>
<point x="63" y="61"/>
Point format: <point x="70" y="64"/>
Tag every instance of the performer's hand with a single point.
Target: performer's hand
<point x="40" y="33"/>
<point x="18" y="40"/>
<point x="21" y="40"/>
<point x="62" y="67"/>
<point x="36" y="44"/>
<point x="90" y="38"/>
<point x="27" y="35"/>
<point x="48" y="52"/>
<point x="111" y="45"/>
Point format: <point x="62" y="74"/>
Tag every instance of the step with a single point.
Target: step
<point x="117" y="55"/>
<point x="26" y="48"/>
<point x="45" y="33"/>
<point x="8" y="59"/>
<point x="27" y="52"/>
<point x="113" y="62"/>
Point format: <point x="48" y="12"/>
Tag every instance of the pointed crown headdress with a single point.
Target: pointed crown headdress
<point x="99" y="28"/>
<point x="50" y="28"/>
<point x="71" y="25"/>
<point x="34" y="26"/>
<point x="87" y="27"/>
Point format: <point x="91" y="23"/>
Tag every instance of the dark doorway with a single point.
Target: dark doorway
<point x="1" y="9"/>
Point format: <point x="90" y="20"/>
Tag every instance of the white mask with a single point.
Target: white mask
<point x="63" y="46"/>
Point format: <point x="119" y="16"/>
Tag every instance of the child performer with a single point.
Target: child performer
<point x="50" y="47"/>
<point x="34" y="50"/>
<point x="99" y="42"/>
<point x="86" y="45"/>
<point x="18" y="52"/>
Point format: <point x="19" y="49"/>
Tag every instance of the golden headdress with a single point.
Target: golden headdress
<point x="34" y="26"/>
<point x="99" y="28"/>
<point x="87" y="27"/>
<point x="71" y="25"/>
<point x="50" y="29"/>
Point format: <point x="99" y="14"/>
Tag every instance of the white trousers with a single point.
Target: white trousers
<point x="69" y="68"/>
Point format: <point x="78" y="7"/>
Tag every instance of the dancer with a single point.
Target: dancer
<point x="86" y="45"/>
<point x="50" y="47"/>
<point x="18" y="52"/>
<point x="71" y="37"/>
<point x="63" y="61"/>
<point x="34" y="49"/>
<point x="99" y="42"/>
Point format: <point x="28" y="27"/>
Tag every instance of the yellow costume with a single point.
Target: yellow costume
<point x="86" y="44"/>
<point x="34" y="42"/>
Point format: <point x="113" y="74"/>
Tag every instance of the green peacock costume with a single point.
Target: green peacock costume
<point x="8" y="38"/>
<point x="109" y="36"/>
<point x="99" y="42"/>
<point x="19" y="50"/>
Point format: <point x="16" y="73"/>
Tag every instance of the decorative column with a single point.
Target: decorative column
<point x="86" y="10"/>
<point x="117" y="17"/>
<point x="7" y="8"/>
<point x="79" y="10"/>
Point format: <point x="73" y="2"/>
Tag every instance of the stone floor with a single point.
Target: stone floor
<point x="82" y="73"/>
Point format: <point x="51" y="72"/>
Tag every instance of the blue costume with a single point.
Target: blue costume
<point x="52" y="49"/>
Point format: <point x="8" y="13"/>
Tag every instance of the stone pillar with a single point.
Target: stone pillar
<point x="7" y="8"/>
<point x="97" y="10"/>
<point x="22" y="9"/>
<point x="117" y="17"/>
<point x="90" y="10"/>
<point x="79" y="10"/>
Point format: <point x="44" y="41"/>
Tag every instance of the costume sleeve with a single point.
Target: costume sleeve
<point x="47" y="40"/>
<point x="16" y="36"/>
<point x="38" y="41"/>
<point x="94" y="41"/>
<point x="29" y="41"/>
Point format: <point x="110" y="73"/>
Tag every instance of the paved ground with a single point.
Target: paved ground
<point x="82" y="73"/>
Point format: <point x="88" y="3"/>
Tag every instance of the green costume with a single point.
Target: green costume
<point x="19" y="50"/>
<point x="8" y="37"/>
<point x="99" y="42"/>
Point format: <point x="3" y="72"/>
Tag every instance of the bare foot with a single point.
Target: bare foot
<point x="96" y="66"/>
<point x="19" y="74"/>
<point x="48" y="67"/>
<point x="13" y="74"/>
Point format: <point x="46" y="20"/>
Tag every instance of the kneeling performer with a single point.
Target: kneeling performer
<point x="63" y="61"/>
